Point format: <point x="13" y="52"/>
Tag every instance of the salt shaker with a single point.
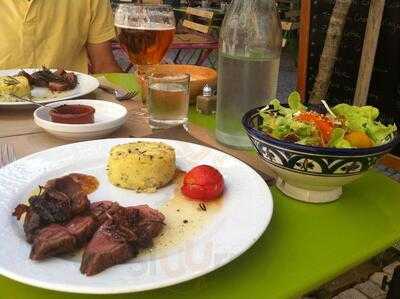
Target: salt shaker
<point x="207" y="102"/>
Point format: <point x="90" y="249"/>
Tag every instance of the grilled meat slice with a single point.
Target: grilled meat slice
<point x="58" y="80"/>
<point x="59" y="86"/>
<point x="57" y="239"/>
<point x="120" y="237"/>
<point x="52" y="240"/>
<point x="60" y="200"/>
<point x="149" y="226"/>
<point x="32" y="225"/>
<point x="39" y="80"/>
<point x="111" y="245"/>
<point x="72" y="79"/>
<point x="82" y="228"/>
<point x="60" y="72"/>
<point x="87" y="183"/>
<point x="52" y="206"/>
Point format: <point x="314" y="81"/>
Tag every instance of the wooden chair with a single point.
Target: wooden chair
<point x="289" y="11"/>
<point x="195" y="34"/>
<point x="151" y="1"/>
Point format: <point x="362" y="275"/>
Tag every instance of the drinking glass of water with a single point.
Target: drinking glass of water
<point x="168" y="100"/>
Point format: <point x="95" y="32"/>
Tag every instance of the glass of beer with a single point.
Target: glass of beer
<point x="168" y="100"/>
<point x="145" y="33"/>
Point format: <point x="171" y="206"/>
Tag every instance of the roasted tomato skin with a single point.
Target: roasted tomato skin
<point x="203" y="183"/>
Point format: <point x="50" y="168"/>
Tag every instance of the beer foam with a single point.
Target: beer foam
<point x="147" y="26"/>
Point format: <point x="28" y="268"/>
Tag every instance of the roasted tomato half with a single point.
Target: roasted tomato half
<point x="203" y="183"/>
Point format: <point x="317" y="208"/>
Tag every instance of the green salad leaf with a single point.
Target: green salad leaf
<point x="278" y="107"/>
<point x="379" y="133"/>
<point x="282" y="123"/>
<point x="311" y="141"/>
<point x="337" y="139"/>
<point x="295" y="103"/>
<point x="364" y="119"/>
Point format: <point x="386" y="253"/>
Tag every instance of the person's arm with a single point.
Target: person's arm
<point x="102" y="59"/>
<point x="101" y="32"/>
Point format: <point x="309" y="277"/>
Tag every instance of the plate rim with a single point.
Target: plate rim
<point x="82" y="289"/>
<point x="49" y="100"/>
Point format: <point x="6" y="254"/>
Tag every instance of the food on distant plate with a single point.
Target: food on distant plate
<point x="141" y="166"/>
<point x="344" y="126"/>
<point x="59" y="80"/>
<point x="12" y="88"/>
<point x="204" y="183"/>
<point x="72" y="114"/>
<point x="17" y="85"/>
<point x="60" y="220"/>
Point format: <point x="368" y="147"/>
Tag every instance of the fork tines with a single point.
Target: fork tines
<point x="7" y="154"/>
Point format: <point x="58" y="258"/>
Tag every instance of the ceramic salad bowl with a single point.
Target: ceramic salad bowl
<point x="310" y="173"/>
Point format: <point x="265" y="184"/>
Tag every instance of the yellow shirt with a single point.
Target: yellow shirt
<point x="53" y="33"/>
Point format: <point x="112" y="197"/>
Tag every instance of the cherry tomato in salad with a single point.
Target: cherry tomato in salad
<point x="203" y="183"/>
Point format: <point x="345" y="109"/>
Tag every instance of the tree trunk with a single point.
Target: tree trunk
<point x="369" y="50"/>
<point x="330" y="51"/>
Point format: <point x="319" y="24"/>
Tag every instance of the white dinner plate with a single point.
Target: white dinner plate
<point x="86" y="84"/>
<point x="244" y="214"/>
<point x="108" y="118"/>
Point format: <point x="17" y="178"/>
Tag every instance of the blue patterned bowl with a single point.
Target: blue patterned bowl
<point x="309" y="173"/>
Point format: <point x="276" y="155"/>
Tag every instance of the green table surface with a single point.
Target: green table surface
<point x="305" y="245"/>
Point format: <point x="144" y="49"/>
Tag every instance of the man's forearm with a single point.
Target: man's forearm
<point x="102" y="59"/>
<point x="106" y="67"/>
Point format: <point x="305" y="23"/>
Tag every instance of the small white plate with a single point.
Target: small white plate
<point x="243" y="215"/>
<point x="86" y="84"/>
<point x="108" y="118"/>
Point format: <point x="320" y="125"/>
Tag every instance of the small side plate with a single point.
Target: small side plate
<point x="109" y="117"/>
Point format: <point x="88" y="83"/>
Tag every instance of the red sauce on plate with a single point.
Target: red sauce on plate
<point x="73" y="114"/>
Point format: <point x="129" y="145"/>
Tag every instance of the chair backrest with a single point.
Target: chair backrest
<point x="194" y="14"/>
<point x="151" y="1"/>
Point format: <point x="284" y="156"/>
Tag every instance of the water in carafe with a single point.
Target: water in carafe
<point x="249" y="54"/>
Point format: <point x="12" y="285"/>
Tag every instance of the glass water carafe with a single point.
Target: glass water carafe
<point x="249" y="54"/>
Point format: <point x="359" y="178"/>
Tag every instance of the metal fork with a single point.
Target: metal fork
<point x="7" y="154"/>
<point x="119" y="93"/>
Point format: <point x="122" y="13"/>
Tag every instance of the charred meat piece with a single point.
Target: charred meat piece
<point x="39" y="80"/>
<point x="32" y="224"/>
<point x="88" y="183"/>
<point x="72" y="79"/>
<point x="60" y="72"/>
<point x="52" y="206"/>
<point x="57" y="239"/>
<point x="112" y="244"/>
<point x="82" y="228"/>
<point x="52" y="240"/>
<point x="120" y="237"/>
<point x="149" y="226"/>
<point x="58" y="80"/>
<point x="59" y="86"/>
<point x="62" y="199"/>
<point x="57" y="202"/>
